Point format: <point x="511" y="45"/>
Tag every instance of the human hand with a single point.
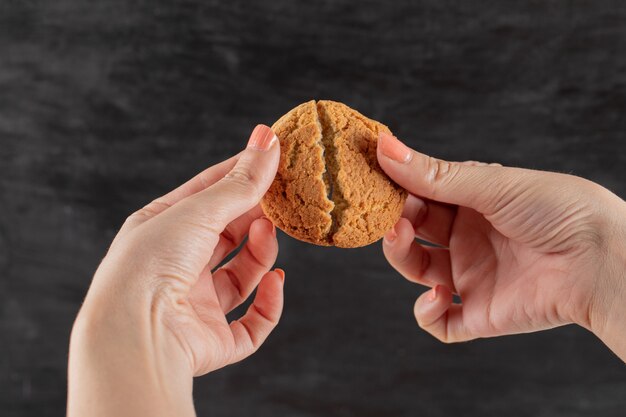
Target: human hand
<point x="525" y="250"/>
<point x="154" y="315"/>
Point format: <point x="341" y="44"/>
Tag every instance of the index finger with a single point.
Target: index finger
<point x="185" y="236"/>
<point x="193" y="186"/>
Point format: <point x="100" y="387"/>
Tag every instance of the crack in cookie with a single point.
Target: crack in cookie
<point x="329" y="189"/>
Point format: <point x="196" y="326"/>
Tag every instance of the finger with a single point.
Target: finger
<point x="191" y="229"/>
<point x="483" y="188"/>
<point x="203" y="298"/>
<point x="196" y="184"/>
<point x="233" y="234"/>
<point x="426" y="266"/>
<point x="435" y="313"/>
<point x="235" y="281"/>
<point x="432" y="221"/>
<point x="250" y="331"/>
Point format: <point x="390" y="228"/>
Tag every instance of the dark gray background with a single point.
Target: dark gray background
<point x="104" y="105"/>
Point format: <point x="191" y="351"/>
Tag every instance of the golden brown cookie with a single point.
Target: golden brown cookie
<point x="329" y="189"/>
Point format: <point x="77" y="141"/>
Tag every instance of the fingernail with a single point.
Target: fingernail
<point x="433" y="293"/>
<point x="271" y="224"/>
<point x="392" y="148"/>
<point x="391" y="235"/>
<point x="281" y="273"/>
<point x="262" y="138"/>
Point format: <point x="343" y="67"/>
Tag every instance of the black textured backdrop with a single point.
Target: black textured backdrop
<point x="105" y="105"/>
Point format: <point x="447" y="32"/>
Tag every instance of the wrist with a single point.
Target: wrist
<point x="119" y="355"/>
<point x="607" y="310"/>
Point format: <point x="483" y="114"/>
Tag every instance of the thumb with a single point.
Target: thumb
<point x="244" y="186"/>
<point x="481" y="187"/>
<point x="192" y="227"/>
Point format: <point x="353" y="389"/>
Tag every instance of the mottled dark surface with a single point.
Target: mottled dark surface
<point x="105" y="105"/>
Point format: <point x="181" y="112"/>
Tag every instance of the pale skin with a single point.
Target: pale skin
<point x="525" y="250"/>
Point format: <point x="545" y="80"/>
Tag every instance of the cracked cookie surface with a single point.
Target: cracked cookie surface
<point x="329" y="189"/>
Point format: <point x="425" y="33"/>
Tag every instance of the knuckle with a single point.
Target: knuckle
<point x="268" y="317"/>
<point x="148" y="211"/>
<point x="244" y="178"/>
<point x="255" y="343"/>
<point x="438" y="169"/>
<point x="130" y="222"/>
<point x="436" y="329"/>
<point x="594" y="191"/>
<point x="230" y="236"/>
<point x="419" y="319"/>
<point x="432" y="330"/>
<point x="138" y="216"/>
<point x="240" y="175"/>
<point x="440" y="172"/>
<point x="203" y="177"/>
<point x="169" y="292"/>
